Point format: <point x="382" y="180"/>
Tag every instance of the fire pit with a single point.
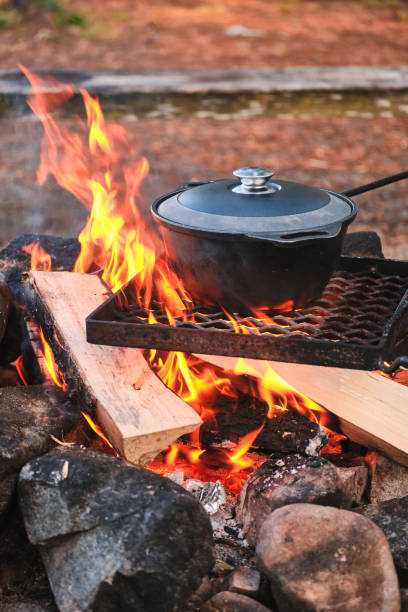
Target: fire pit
<point x="269" y="470"/>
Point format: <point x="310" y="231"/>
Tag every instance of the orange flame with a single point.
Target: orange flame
<point x="92" y="162"/>
<point x="40" y="259"/>
<point x="20" y="370"/>
<point x="50" y="364"/>
<point x="277" y="393"/>
<point x="238" y="459"/>
<point x="95" y="427"/>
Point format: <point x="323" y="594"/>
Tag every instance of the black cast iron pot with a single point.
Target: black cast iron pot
<point x="252" y="243"/>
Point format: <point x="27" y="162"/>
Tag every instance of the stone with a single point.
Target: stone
<point x="404" y="600"/>
<point x="354" y="481"/>
<point x="5" y="303"/>
<point x="11" y="344"/>
<point x="210" y="586"/>
<point x="27" y="606"/>
<point x="240" y="30"/>
<point x="112" y="535"/>
<point x="9" y="376"/>
<point x="226" y="601"/>
<point x="388" y="479"/>
<point x="287" y="479"/>
<point x="391" y="516"/>
<point x="28" y="416"/>
<point x="23" y="581"/>
<point x="363" y="244"/>
<point x="245" y="580"/>
<point x="321" y="558"/>
<point x="205" y="591"/>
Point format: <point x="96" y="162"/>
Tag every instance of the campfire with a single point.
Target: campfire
<point x="191" y="404"/>
<point x="117" y="242"/>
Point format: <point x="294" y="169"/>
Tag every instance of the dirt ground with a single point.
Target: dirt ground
<point x="336" y="153"/>
<point x="163" y="34"/>
<point x="194" y="34"/>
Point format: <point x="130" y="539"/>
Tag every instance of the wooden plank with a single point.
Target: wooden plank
<point x="372" y="409"/>
<point x="139" y="414"/>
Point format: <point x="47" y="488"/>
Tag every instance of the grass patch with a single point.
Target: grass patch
<point x="60" y="15"/>
<point x="8" y="19"/>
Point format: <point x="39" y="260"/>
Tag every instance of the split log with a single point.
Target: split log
<point x="139" y="414"/>
<point x="371" y="409"/>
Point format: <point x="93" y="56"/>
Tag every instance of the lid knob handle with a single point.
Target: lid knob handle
<point x="255" y="180"/>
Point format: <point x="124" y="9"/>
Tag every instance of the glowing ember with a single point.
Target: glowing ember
<point x="92" y="162"/>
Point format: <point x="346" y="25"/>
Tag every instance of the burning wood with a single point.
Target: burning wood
<point x="93" y="163"/>
<point x="140" y="416"/>
<point x="369" y="406"/>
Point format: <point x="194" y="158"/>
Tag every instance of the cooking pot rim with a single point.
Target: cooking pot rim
<point x="285" y="238"/>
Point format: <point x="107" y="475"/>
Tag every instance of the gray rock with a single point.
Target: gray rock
<point x="321" y="558"/>
<point x="354" y="481"/>
<point x="9" y="376"/>
<point x="388" y="479"/>
<point x="392" y="517"/>
<point x="30" y="606"/>
<point x="206" y="590"/>
<point x="288" y="479"/>
<point x="245" y="580"/>
<point x="240" y="30"/>
<point x="227" y="601"/>
<point x="113" y="536"/>
<point x="5" y="303"/>
<point x="28" y="415"/>
<point x="404" y="600"/>
<point x="23" y="581"/>
<point x="362" y="244"/>
<point x="11" y="344"/>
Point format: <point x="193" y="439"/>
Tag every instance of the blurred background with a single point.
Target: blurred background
<point x="329" y="140"/>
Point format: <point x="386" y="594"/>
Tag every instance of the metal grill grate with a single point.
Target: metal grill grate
<point x="355" y="323"/>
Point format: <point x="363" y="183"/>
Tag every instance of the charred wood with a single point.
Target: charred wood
<point x="286" y="431"/>
<point x="363" y="244"/>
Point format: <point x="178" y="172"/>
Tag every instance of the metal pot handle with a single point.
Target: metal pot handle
<point x="300" y="238"/>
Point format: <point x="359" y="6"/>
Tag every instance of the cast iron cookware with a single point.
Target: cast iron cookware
<point x="252" y="243"/>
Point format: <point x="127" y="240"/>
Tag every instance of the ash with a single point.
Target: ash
<point x="232" y="549"/>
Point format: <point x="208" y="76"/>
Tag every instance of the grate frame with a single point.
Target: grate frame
<point x="363" y="324"/>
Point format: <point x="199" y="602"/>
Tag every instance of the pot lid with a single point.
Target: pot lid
<point x="253" y="205"/>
